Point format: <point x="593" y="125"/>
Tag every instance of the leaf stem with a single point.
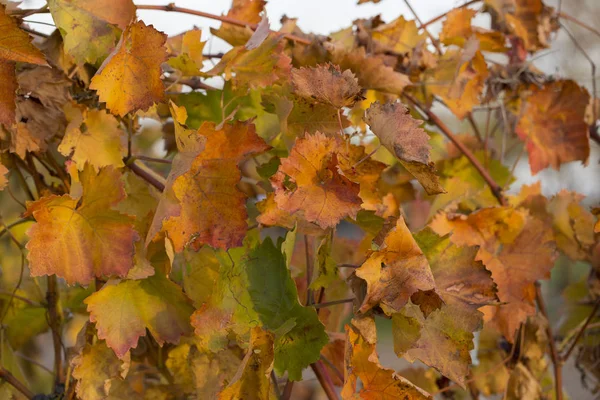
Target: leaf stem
<point x="434" y="119"/>
<point x="154" y="160"/>
<point x="556" y="360"/>
<point x="287" y="390"/>
<point x="17" y="222"/>
<point x="324" y="380"/>
<point x="54" y="317"/>
<point x="332" y="303"/>
<point x="424" y="27"/>
<point x="580" y="332"/>
<point x="173" y="8"/>
<point x="578" y="22"/>
<point x="9" y="378"/>
<point x="146" y="175"/>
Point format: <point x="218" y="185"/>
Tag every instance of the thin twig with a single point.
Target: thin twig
<point x="23" y="299"/>
<point x="147" y="176"/>
<point x="152" y="159"/>
<point x="275" y="385"/>
<point x="287" y="390"/>
<point x="581" y="331"/>
<point x="434" y="119"/>
<point x="17" y="222"/>
<point x="556" y="360"/>
<point x="324" y="380"/>
<point x="578" y="22"/>
<point x="173" y="8"/>
<point x="424" y="27"/>
<point x="475" y="128"/>
<point x="34" y="32"/>
<point x="436" y="19"/>
<point x="309" y="271"/>
<point x="332" y="303"/>
<point x="55" y="320"/>
<point x="9" y="378"/>
<point x="26" y="13"/>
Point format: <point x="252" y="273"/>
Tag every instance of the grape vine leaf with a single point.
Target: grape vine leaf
<point x="212" y="209"/>
<point x="8" y="88"/>
<point x="129" y="79"/>
<point x="253" y="381"/>
<point x="122" y="311"/>
<point x="515" y="247"/>
<point x="90" y="30"/>
<point x="401" y="135"/>
<point x="552" y="125"/>
<point x="400" y="36"/>
<point x="15" y="44"/>
<point x="242" y="10"/>
<point x="309" y="182"/>
<point x="256" y="68"/>
<point x="94" y="368"/>
<point x="79" y="239"/>
<point x="94" y="137"/>
<point x="457" y="30"/>
<point x="444" y="338"/>
<point x="187" y="50"/>
<point x="397" y="272"/>
<point x="326" y="84"/>
<point x="299" y="335"/>
<point x="362" y="364"/>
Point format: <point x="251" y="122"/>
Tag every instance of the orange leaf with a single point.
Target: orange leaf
<point x="552" y="125"/>
<point x="242" y="10"/>
<point x="309" y="182"/>
<point x="79" y="239"/>
<point x="8" y="88"/>
<point x="212" y="209"/>
<point x="457" y="30"/>
<point x="362" y="363"/>
<point x="15" y="44"/>
<point x="397" y="272"/>
<point x="129" y="79"/>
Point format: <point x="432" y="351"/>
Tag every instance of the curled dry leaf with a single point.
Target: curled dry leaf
<point x="327" y="84"/>
<point x="129" y="79"/>
<point x="401" y="134"/>
<point x="397" y="272"/>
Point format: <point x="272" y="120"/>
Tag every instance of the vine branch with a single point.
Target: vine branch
<point x="580" y="332"/>
<point x="434" y="119"/>
<point x="556" y="360"/>
<point x="9" y="378"/>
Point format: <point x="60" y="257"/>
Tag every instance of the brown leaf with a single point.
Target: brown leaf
<point x="401" y="135"/>
<point x="15" y="44"/>
<point x="327" y="84"/>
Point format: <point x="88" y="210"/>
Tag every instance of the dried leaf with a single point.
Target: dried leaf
<point x="15" y="44"/>
<point x="327" y="84"/>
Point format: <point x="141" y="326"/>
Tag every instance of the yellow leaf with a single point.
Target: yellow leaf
<point x="94" y="137"/>
<point x="129" y="79"/>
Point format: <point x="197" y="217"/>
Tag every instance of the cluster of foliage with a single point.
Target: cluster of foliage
<point x="179" y="237"/>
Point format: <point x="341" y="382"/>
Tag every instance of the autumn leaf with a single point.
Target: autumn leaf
<point x="401" y="135"/>
<point x="95" y="368"/>
<point x="397" y="271"/>
<point x="3" y="178"/>
<point x="242" y="10"/>
<point x="327" y="84"/>
<point x="458" y="79"/>
<point x="299" y="335"/>
<point x="444" y="338"/>
<point x="212" y="209"/>
<point x="129" y="79"/>
<point x="253" y="381"/>
<point x="94" y="137"/>
<point x="90" y="31"/>
<point x="272" y="215"/>
<point x="79" y="239"/>
<point x="533" y="22"/>
<point x="308" y="182"/>
<point x="8" y="88"/>
<point x="399" y="36"/>
<point x="259" y="67"/>
<point x="552" y="125"/>
<point x="457" y="30"/>
<point x="516" y="248"/>
<point x="122" y="311"/>
<point x="362" y="363"/>
<point x="15" y="44"/>
<point x="187" y="51"/>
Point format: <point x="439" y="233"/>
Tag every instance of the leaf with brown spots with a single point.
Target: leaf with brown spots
<point x="326" y="84"/>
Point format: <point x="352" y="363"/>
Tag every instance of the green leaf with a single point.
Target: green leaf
<point x="300" y="335"/>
